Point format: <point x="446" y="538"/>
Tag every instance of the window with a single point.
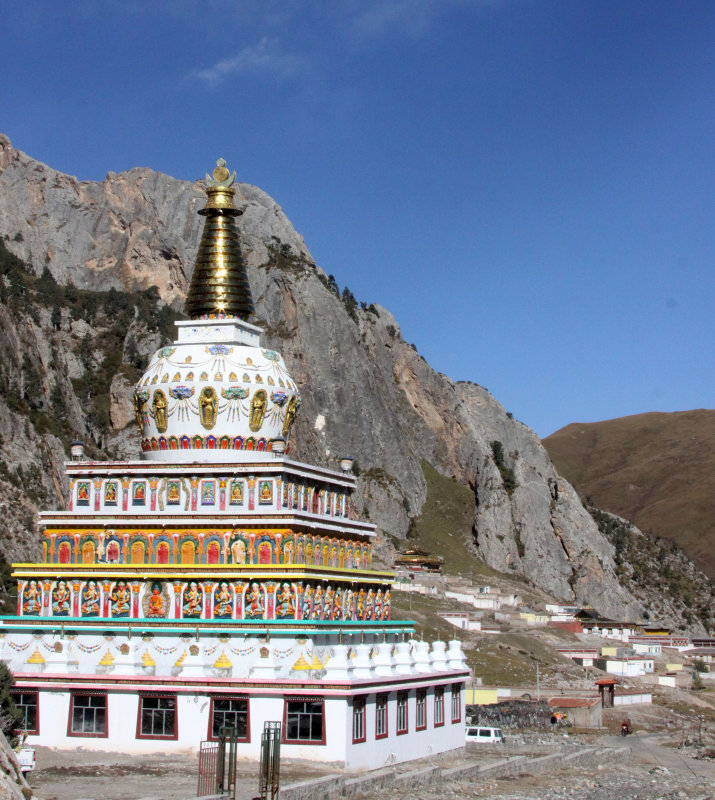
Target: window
<point x="88" y="715"/>
<point x="421" y="721"/>
<point x="28" y="703"/>
<point x="157" y="717"/>
<point x="359" y="720"/>
<point x="456" y="703"/>
<point x="401" y="712"/>
<point x="304" y="721"/>
<point x="381" y="716"/>
<point x="230" y="712"/>
<point x="438" y="706"/>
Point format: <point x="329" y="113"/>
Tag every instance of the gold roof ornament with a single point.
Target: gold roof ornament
<point x="180" y="660"/>
<point x="107" y="660"/>
<point x="147" y="660"/>
<point x="36" y="657"/>
<point x="222" y="662"/>
<point x="301" y="663"/>
<point x="219" y="283"/>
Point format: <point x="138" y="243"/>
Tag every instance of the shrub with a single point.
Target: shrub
<point x="507" y="473"/>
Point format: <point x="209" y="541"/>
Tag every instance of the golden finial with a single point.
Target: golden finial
<point x="219" y="284"/>
<point x="220" y="178"/>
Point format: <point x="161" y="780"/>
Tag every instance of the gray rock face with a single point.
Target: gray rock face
<point x="365" y="391"/>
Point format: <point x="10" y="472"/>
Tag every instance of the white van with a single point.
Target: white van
<point x="481" y="735"/>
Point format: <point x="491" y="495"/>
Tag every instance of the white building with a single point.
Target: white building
<point x="216" y="582"/>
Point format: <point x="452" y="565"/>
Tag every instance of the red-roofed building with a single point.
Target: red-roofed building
<point x="583" y="712"/>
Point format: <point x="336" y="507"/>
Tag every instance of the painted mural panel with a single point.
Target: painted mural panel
<point x="89" y="600"/>
<point x="285" y="605"/>
<point x="192" y="601"/>
<point x="188" y="552"/>
<point x="139" y="493"/>
<point x="223" y="601"/>
<point x="83" y="489"/>
<point x="255" y="607"/>
<point x="88" y="552"/>
<point x="162" y="553"/>
<point x="173" y="493"/>
<point x="238" y="549"/>
<point x="60" y="599"/>
<point x="137" y="553"/>
<point x="213" y="553"/>
<point x="156" y="601"/>
<point x="120" y="599"/>
<point x="31" y="599"/>
<point x="208" y="493"/>
<point x="265" y="493"/>
<point x="64" y="553"/>
<point x="111" y="492"/>
<point x="113" y="552"/>
<point x="236" y="493"/>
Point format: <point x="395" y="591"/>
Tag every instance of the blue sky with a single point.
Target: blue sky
<point x="526" y="185"/>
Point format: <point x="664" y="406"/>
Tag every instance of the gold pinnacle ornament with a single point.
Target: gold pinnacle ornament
<point x="219" y="283"/>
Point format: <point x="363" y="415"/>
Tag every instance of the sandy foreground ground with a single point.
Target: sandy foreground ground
<point x="654" y="769"/>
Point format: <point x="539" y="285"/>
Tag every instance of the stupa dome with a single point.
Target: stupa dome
<point x="216" y="388"/>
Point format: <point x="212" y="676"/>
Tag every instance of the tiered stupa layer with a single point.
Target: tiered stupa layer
<point x="216" y="581"/>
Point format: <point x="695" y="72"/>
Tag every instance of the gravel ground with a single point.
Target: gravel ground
<point x="654" y="770"/>
<point x="89" y="775"/>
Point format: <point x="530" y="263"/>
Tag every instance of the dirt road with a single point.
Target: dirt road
<point x="652" y="770"/>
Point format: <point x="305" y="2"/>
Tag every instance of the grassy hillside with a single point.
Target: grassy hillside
<point x="657" y="470"/>
<point x="444" y="526"/>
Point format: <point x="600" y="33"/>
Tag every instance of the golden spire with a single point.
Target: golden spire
<point x="219" y="284"/>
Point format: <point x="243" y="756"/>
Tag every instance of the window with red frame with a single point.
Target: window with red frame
<point x="304" y="721"/>
<point x="380" y="716"/>
<point x="157" y="717"/>
<point x="402" y="712"/>
<point x="28" y="703"/>
<point x="88" y="715"/>
<point x="456" y="702"/>
<point x="438" y="706"/>
<point x="421" y="715"/>
<point x="359" y="720"/>
<point x="230" y="712"/>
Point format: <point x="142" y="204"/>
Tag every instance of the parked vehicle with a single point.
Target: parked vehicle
<point x="482" y="735"/>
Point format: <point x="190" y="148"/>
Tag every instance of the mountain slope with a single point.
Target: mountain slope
<point x="657" y="470"/>
<point x="365" y="390"/>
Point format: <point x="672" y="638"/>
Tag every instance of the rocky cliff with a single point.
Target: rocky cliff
<point x="79" y="316"/>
